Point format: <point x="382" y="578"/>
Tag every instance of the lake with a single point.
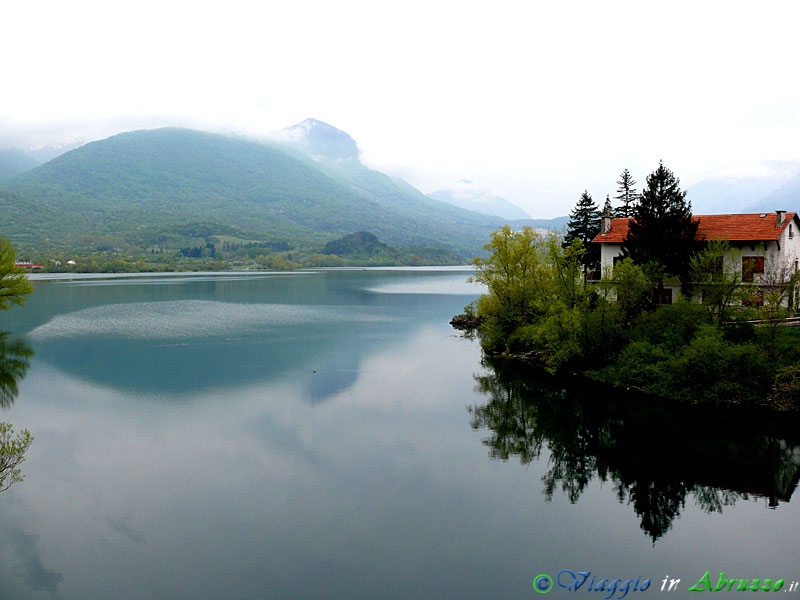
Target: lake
<point x="328" y="435"/>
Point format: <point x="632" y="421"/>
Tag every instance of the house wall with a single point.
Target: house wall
<point x="785" y="251"/>
<point x="607" y="254"/>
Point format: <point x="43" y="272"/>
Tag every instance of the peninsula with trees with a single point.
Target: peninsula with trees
<point x="649" y="297"/>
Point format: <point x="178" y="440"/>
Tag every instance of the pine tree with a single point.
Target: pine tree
<point x="584" y="225"/>
<point x="662" y="231"/>
<point x="626" y="194"/>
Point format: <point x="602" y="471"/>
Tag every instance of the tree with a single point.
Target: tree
<point x="662" y="231"/>
<point x="12" y="453"/>
<point x="14" y="286"/>
<point x="584" y="225"/>
<point x="513" y="272"/>
<point x="719" y="281"/>
<point x="626" y="194"/>
<point x="776" y="287"/>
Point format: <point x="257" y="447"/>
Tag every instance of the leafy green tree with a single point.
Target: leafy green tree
<point x="514" y="272"/>
<point x="718" y="281"/>
<point x="12" y="453"/>
<point x="662" y="231"/>
<point x="628" y="284"/>
<point x="14" y="286"/>
<point x="584" y="225"/>
<point x="626" y="194"/>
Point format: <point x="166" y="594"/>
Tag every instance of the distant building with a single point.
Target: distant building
<point x="27" y="265"/>
<point x="759" y="241"/>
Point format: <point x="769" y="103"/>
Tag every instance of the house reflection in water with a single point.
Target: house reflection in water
<point x="656" y="453"/>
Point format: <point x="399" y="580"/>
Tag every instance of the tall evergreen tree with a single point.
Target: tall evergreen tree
<point x="584" y="225"/>
<point x="626" y="194"/>
<point x="662" y="231"/>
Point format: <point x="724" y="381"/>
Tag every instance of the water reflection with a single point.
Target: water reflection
<point x="15" y="359"/>
<point x="656" y="454"/>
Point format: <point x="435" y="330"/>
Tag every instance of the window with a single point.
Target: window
<point x="666" y="297"/>
<point x="754" y="299"/>
<point x="716" y="267"/>
<point x="750" y="266"/>
<point x="791" y="233"/>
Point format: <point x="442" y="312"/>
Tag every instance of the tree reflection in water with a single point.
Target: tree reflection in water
<point x="656" y="453"/>
<point x="15" y="359"/>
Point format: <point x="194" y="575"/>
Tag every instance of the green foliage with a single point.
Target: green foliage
<point x="515" y="273"/>
<point x="628" y="285"/>
<point x="14" y="286"/>
<point x="640" y="365"/>
<point x="787" y="388"/>
<point x="717" y="281"/>
<point x="323" y="260"/>
<point x="362" y="244"/>
<point x="706" y="370"/>
<point x="556" y="337"/>
<point x="276" y="262"/>
<point x="711" y="370"/>
<point x="12" y="453"/>
<point x="672" y="326"/>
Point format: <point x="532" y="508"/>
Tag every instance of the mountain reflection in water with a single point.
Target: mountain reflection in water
<point x="656" y="453"/>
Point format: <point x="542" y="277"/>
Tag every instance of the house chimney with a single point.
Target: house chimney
<point x="780" y="215"/>
<point x="605" y="224"/>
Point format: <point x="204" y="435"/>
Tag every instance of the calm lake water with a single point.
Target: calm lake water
<point x="328" y="435"/>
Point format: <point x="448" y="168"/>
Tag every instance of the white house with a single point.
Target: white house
<point x="758" y="241"/>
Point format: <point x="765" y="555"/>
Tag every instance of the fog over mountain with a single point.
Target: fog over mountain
<point x="322" y="143"/>
<point x="754" y="187"/>
<point x="467" y="194"/>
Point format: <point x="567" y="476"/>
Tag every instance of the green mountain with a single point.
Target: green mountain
<point x="14" y="161"/>
<point x="143" y="189"/>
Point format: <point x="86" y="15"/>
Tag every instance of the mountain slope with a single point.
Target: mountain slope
<point x="145" y="183"/>
<point x="336" y="153"/>
<point x="14" y="161"/>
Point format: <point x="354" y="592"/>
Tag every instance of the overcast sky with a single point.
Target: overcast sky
<point x="535" y="100"/>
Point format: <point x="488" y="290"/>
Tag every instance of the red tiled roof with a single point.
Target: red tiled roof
<point x="755" y="227"/>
